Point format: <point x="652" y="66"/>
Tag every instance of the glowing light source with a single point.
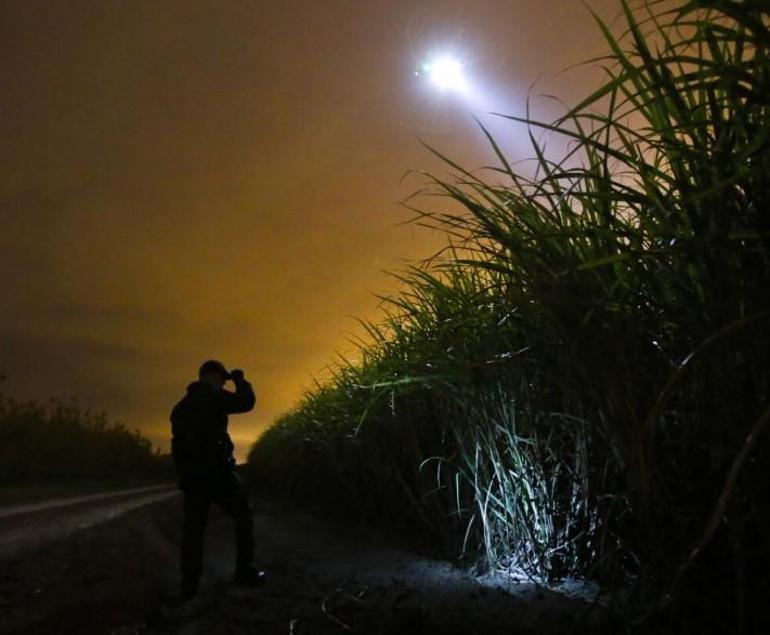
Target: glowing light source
<point x="446" y="73"/>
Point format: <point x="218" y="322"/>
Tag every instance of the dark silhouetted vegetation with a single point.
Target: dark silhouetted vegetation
<point x="578" y="384"/>
<point x="60" y="443"/>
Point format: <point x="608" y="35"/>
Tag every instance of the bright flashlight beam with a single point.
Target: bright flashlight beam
<point x="446" y="73"/>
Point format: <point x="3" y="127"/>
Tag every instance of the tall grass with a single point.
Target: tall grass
<point x="578" y="384"/>
<point x="56" y="444"/>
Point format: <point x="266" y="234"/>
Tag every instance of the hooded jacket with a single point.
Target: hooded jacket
<point x="200" y="442"/>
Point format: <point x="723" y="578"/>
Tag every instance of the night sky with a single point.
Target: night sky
<point x="185" y="179"/>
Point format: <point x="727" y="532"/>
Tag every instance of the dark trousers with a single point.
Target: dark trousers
<point x="229" y="493"/>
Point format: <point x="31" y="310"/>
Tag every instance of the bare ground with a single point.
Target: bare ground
<point x="118" y="576"/>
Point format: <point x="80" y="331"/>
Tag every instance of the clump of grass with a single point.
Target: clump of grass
<point x="578" y="385"/>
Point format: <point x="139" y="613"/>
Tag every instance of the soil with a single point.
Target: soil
<point x="120" y="576"/>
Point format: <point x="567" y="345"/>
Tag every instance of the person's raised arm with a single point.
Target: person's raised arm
<point x="242" y="400"/>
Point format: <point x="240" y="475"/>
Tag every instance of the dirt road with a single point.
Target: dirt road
<point x="115" y="573"/>
<point x="26" y="528"/>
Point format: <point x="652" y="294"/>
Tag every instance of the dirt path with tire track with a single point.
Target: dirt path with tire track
<point x="116" y="573"/>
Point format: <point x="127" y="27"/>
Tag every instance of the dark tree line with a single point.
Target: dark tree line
<point x="61" y="442"/>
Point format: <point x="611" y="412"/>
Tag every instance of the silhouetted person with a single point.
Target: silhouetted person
<point x="203" y="454"/>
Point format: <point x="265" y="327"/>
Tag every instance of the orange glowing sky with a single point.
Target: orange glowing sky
<point x="184" y="179"/>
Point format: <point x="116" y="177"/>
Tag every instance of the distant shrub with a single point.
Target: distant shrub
<point x="61" y="442"/>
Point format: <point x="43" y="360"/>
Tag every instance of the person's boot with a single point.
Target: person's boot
<point x="249" y="575"/>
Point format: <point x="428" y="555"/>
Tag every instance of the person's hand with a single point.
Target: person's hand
<point x="236" y="374"/>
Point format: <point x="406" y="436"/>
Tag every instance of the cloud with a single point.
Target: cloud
<point x="102" y="373"/>
<point x="30" y="203"/>
<point x="94" y="315"/>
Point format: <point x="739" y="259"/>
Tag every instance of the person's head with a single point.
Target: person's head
<point x="213" y="372"/>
